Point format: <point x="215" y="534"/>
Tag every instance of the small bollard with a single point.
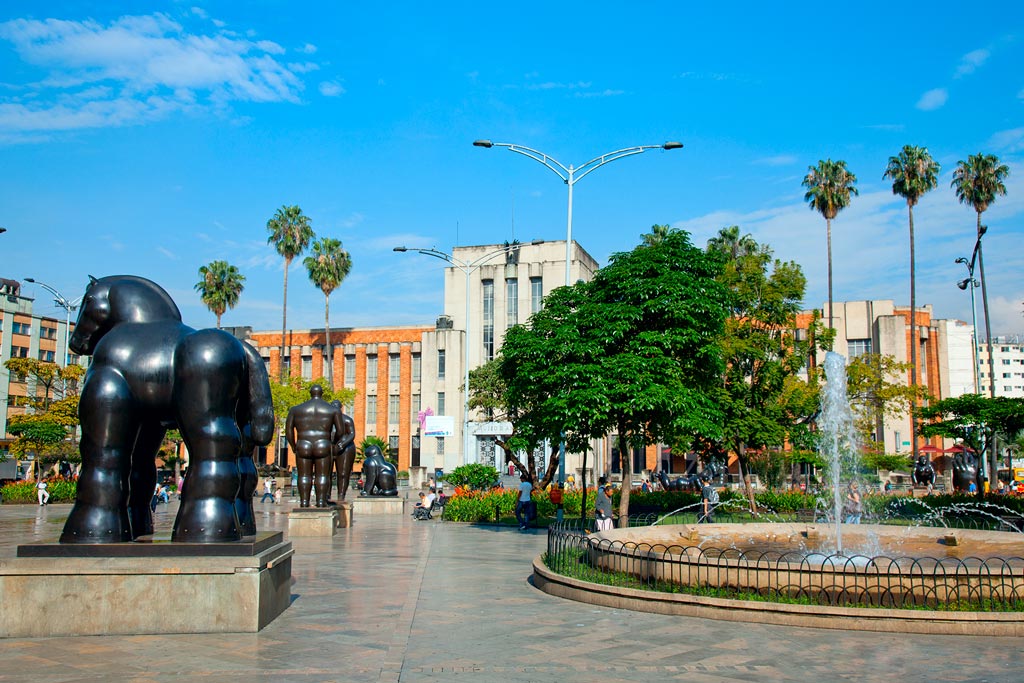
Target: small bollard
<point x="951" y="539"/>
<point x="812" y="533"/>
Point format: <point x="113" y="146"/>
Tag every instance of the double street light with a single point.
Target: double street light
<point x="971" y="282"/>
<point x="468" y="268"/>
<point x="68" y="306"/>
<point x="570" y="175"/>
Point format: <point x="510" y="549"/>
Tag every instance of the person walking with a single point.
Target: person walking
<point x="268" y="489"/>
<point x="709" y="501"/>
<point x="42" y="493"/>
<point x="854" y="507"/>
<point x="603" y="508"/>
<point x="523" y="502"/>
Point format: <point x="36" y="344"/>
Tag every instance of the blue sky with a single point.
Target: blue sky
<point x="153" y="138"/>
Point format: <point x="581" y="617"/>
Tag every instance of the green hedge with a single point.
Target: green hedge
<point x="61" y="491"/>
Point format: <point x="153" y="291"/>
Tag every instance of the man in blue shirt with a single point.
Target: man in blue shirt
<point x="525" y="492"/>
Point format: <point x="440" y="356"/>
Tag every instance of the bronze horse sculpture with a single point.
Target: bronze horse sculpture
<point x="149" y="373"/>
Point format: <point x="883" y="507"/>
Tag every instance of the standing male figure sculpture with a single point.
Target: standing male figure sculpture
<point x="344" y="452"/>
<point x="312" y="429"/>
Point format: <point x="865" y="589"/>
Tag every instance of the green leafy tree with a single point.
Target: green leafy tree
<point x="328" y="266"/>
<point x="219" y="287"/>
<point x="875" y="388"/>
<point x="290" y="233"/>
<point x="633" y="351"/>
<point x="967" y="417"/>
<point x="829" y="188"/>
<point x="657" y="235"/>
<point x="760" y="395"/>
<point x="913" y="173"/>
<point x="977" y="182"/>
<point x="475" y="476"/>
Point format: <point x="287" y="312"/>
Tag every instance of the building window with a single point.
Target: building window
<point x="414" y="458"/>
<point x="307" y="368"/>
<point x="440" y="445"/>
<point x="857" y="347"/>
<point x="48" y="332"/>
<point x="440" y="363"/>
<point x="440" y="403"/>
<point x="512" y="302"/>
<point x="536" y="294"/>
<point x="1006" y="361"/>
<point x="1006" y="375"/>
<point x="371" y="369"/>
<point x="19" y="351"/>
<point x="21" y="328"/>
<point x="46" y="356"/>
<point x="416" y="367"/>
<point x="393" y="447"/>
<point x="393" y="409"/>
<point x="394" y="368"/>
<point x="350" y="369"/>
<point x="416" y="404"/>
<point x="371" y="412"/>
<point x="488" y="287"/>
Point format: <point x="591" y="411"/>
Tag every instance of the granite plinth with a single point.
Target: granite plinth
<point x="150" y="546"/>
<point x="378" y="505"/>
<point x="313" y="521"/>
<point x="64" y="595"/>
<point x="344" y="515"/>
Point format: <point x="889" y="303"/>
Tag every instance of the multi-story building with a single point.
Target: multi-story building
<point x="1007" y="367"/>
<point x="24" y="334"/>
<point x="400" y="372"/>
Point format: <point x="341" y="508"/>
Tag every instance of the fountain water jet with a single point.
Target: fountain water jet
<point x="839" y="442"/>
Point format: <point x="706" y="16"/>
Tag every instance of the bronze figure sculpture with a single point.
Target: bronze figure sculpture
<point x="344" y="453"/>
<point x="150" y="373"/>
<point x="380" y="477"/>
<point x="312" y="429"/>
<point x="924" y="473"/>
<point x="966" y="472"/>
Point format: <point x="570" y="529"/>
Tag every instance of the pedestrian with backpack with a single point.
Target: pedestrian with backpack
<point x="709" y="500"/>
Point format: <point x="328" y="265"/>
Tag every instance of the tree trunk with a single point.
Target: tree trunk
<point x="583" y="482"/>
<point x="741" y="461"/>
<point x="828" y="230"/>
<point x="913" y="337"/>
<point x="994" y="452"/>
<point x="284" y="319"/>
<point x="327" y="340"/>
<point x="218" y="320"/>
<point x="626" y="466"/>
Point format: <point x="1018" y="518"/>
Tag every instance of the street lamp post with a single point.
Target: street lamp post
<point x="971" y="282"/>
<point x="468" y="268"/>
<point x="68" y="306"/>
<point x="570" y="175"/>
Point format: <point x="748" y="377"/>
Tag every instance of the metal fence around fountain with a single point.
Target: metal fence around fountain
<point x="951" y="583"/>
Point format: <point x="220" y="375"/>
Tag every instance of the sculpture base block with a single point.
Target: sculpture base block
<point x="384" y="505"/>
<point x="126" y="591"/>
<point x="344" y="515"/>
<point x="313" y="521"/>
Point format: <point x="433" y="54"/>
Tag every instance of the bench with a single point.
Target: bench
<point x="805" y="515"/>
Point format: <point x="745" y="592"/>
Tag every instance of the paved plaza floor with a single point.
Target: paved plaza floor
<point x="393" y="599"/>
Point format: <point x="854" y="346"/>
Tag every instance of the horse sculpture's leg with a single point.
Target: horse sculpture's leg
<point x="109" y="423"/>
<point x="209" y="374"/>
<point x="143" y="478"/>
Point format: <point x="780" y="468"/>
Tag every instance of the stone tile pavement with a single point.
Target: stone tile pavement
<point x="392" y="599"/>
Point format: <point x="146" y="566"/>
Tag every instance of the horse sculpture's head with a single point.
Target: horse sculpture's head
<point x="115" y="299"/>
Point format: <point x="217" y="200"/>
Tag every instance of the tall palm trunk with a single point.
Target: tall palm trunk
<point x="284" y="318"/>
<point x="218" y="320"/>
<point x="828" y="229"/>
<point x="993" y="451"/>
<point x="913" y="335"/>
<point x="327" y="339"/>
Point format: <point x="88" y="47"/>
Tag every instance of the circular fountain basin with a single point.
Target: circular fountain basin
<point x="882" y="567"/>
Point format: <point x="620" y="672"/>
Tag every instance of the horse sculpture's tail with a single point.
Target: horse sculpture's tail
<point x="261" y="404"/>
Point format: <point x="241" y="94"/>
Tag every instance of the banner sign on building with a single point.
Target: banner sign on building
<point x="439" y="425"/>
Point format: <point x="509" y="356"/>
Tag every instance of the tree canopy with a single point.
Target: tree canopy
<point x="220" y="287"/>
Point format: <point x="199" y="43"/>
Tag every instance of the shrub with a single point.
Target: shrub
<point x="475" y="476"/>
<point x="61" y="491"/>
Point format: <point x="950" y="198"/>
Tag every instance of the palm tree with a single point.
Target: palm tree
<point x="328" y="267"/>
<point x="290" y="233"/>
<point x="220" y="287"/>
<point x="977" y="182"/>
<point x="913" y="172"/>
<point x="656" y="236"/>
<point x="829" y="186"/>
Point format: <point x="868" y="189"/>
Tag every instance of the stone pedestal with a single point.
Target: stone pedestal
<point x="313" y="521"/>
<point x="379" y="505"/>
<point x="344" y="515"/>
<point x="145" y="587"/>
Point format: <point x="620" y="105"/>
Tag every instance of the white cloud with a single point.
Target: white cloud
<point x="168" y="253"/>
<point x="331" y="89"/>
<point x="933" y="99"/>
<point x="777" y="160"/>
<point x="135" y="69"/>
<point x="970" y="62"/>
<point x="308" y="49"/>
<point x="1011" y="140"/>
<point x="200" y="12"/>
<point x="607" y="92"/>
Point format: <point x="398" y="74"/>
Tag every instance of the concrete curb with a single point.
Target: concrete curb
<point x="809" y="616"/>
